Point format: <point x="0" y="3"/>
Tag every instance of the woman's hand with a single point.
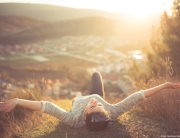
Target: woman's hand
<point x="8" y="105"/>
<point x="172" y="85"/>
<point x="153" y="90"/>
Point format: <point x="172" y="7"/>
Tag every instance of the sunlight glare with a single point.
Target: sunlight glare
<point x="136" y="8"/>
<point x="141" y="8"/>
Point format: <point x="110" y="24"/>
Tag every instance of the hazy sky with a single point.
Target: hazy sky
<point x="137" y="8"/>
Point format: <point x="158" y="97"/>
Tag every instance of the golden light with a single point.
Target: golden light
<point x="136" y="8"/>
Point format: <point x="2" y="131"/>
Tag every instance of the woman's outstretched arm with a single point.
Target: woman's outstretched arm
<point x="11" y="104"/>
<point x="153" y="90"/>
<point x="44" y="106"/>
<point x="136" y="97"/>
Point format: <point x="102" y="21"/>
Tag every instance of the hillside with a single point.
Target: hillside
<point x="36" y="22"/>
<point x="82" y="26"/>
<point x="15" y="24"/>
<point x="57" y="13"/>
<point x="54" y="13"/>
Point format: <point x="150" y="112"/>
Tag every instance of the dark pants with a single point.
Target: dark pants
<point x="97" y="86"/>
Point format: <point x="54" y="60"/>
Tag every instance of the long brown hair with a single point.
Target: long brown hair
<point x="96" y="126"/>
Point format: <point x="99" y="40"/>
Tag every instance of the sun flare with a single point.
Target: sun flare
<point x="139" y="8"/>
<point x="139" y="14"/>
<point x="136" y="8"/>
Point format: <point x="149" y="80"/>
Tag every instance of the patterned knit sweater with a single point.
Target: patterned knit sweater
<point x="75" y="117"/>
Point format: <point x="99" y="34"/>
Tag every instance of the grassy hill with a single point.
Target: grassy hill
<point x="24" y="23"/>
<point x="82" y="26"/>
<point x="152" y="121"/>
<point x="25" y="33"/>
<point x="50" y="12"/>
<point x="15" y="24"/>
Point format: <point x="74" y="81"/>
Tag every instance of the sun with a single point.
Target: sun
<point x="137" y="8"/>
<point x="140" y="8"/>
<point x="139" y="14"/>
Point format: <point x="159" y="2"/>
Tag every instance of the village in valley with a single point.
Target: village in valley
<point x="113" y="64"/>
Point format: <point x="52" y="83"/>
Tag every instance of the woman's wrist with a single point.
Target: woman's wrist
<point x="16" y="101"/>
<point x="167" y="84"/>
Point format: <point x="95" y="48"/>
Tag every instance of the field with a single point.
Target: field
<point x="148" y="119"/>
<point x="155" y="117"/>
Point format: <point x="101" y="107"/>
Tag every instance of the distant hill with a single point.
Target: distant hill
<point x="82" y="26"/>
<point x="31" y="30"/>
<point x="57" y="13"/>
<point x="21" y="23"/>
<point x="15" y="24"/>
<point x="53" y="13"/>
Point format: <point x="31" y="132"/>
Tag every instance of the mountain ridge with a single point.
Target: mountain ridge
<point x="56" y="21"/>
<point x="50" y="12"/>
<point x="55" y="13"/>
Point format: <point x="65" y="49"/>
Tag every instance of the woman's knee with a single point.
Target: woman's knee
<point x="96" y="75"/>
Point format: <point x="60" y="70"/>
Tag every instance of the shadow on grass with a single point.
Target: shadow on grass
<point x="114" y="130"/>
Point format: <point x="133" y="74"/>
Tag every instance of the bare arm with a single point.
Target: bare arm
<point x="34" y="105"/>
<point x="11" y="104"/>
<point x="152" y="91"/>
<point x="136" y="97"/>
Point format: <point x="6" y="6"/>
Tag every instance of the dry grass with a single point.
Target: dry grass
<point x="25" y="123"/>
<point x="20" y="118"/>
<point x="164" y="105"/>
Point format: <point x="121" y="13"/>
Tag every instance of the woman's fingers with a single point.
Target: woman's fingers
<point x="6" y="106"/>
<point x="1" y="107"/>
<point x="176" y="85"/>
<point x="7" y="110"/>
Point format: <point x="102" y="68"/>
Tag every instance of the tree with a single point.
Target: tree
<point x="165" y="43"/>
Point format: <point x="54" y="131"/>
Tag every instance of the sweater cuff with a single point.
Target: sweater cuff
<point x="142" y="93"/>
<point x="43" y="106"/>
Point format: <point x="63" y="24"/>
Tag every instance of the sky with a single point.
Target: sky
<point x="139" y="8"/>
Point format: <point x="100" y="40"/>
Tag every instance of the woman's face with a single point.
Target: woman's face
<point x="93" y="106"/>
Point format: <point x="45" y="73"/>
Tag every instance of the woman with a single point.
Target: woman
<point x="90" y="110"/>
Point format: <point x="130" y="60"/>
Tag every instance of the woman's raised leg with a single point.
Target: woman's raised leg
<point x="97" y="86"/>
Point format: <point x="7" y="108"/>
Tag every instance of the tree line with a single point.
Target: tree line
<point x="163" y="58"/>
